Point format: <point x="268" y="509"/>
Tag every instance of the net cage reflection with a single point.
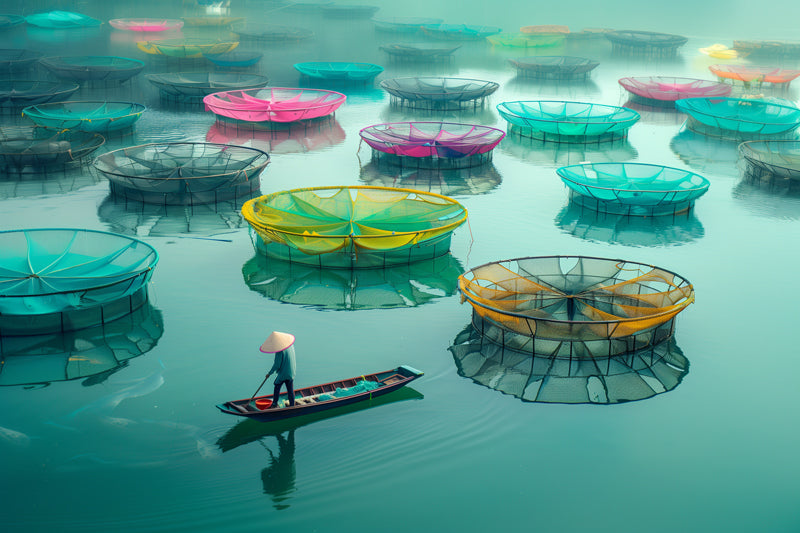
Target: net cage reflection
<point x="449" y="182"/>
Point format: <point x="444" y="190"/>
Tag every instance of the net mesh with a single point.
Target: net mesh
<point x="196" y="85"/>
<point x="554" y="67"/>
<point x="563" y="119"/>
<point x="36" y="149"/>
<point x="93" y="68"/>
<point x="93" y="116"/>
<point x="738" y="117"/>
<point x="778" y="158"/>
<point x="436" y="92"/>
<point x="16" y="94"/>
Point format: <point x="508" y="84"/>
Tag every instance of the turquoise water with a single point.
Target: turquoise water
<point x="141" y="447"/>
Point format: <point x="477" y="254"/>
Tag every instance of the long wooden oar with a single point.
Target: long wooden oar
<point x="259" y="387"/>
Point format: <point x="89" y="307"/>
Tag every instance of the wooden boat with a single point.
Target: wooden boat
<point x="318" y="398"/>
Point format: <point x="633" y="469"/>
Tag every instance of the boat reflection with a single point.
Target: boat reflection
<point x="600" y="380"/>
<point x="451" y="182"/>
<point x="92" y="353"/>
<point x="555" y="154"/>
<point x="285" y="138"/>
<point x="408" y="285"/>
<point x="591" y="225"/>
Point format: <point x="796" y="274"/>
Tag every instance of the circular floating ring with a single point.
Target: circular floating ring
<point x="339" y="71"/>
<point x="274" y="104"/>
<point x="93" y="116"/>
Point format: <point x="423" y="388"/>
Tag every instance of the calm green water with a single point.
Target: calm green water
<point x="142" y="448"/>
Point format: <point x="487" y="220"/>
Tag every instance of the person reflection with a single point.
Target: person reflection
<point x="279" y="477"/>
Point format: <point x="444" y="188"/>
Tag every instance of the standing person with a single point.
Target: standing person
<point x="282" y="345"/>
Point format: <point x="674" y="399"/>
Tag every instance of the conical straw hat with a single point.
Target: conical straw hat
<point x="277" y="341"/>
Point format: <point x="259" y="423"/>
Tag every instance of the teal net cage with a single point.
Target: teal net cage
<point x="183" y="173"/>
<point x="739" y="118"/>
<point x="36" y="150"/>
<point x="64" y="279"/>
<point x="92" y="116"/>
<point x="574" y="306"/>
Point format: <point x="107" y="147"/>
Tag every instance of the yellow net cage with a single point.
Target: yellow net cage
<point x="353" y="226"/>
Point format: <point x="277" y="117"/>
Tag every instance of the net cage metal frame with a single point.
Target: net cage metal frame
<point x="17" y="94"/>
<point x="438" y="93"/>
<point x="638" y="189"/>
<point x="778" y="158"/>
<point x="739" y="118"/>
<point x="419" y="52"/>
<point x="341" y="71"/>
<point x="606" y="380"/>
<point x="55" y="279"/>
<point x="560" y="68"/>
<point x="13" y="60"/>
<point x="353" y="226"/>
<point x="439" y="145"/>
<point x="574" y="306"/>
<point x="645" y="43"/>
<point x="663" y="91"/>
<point x="562" y="121"/>
<point x="146" y="24"/>
<point x="183" y="173"/>
<point x="97" y="116"/>
<point x="34" y="150"/>
<point x="273" y="104"/>
<point x="269" y="33"/>
<point x="93" y="68"/>
<point x="754" y="76"/>
<point x="192" y="87"/>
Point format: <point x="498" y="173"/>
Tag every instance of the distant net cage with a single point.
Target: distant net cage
<point x="93" y="68"/>
<point x="601" y="380"/>
<point x="768" y="48"/>
<point x="183" y="173"/>
<point x="349" y="11"/>
<point x="192" y="87"/>
<point x="8" y="21"/>
<point x="273" y="104"/>
<point x="403" y="24"/>
<point x="17" y="60"/>
<point x="419" y="52"/>
<point x="645" y="43"/>
<point x="254" y="31"/>
<point x="440" y="145"/>
<point x="63" y="279"/>
<point x="633" y="188"/>
<point x="739" y="118"/>
<point x="14" y="95"/>
<point x="468" y="181"/>
<point x="61" y="20"/>
<point x="554" y="67"/>
<point x="527" y="40"/>
<point x="339" y="71"/>
<point x="353" y="227"/>
<point x="574" y="306"/>
<point x="90" y="354"/>
<point x="753" y="77"/>
<point x="567" y="122"/>
<point x="146" y="24"/>
<point x="459" y="32"/>
<point x="665" y="90"/>
<point x="778" y="158"/>
<point x="36" y="150"/>
<point x="186" y="48"/>
<point x="92" y="116"/>
<point x="399" y="286"/>
<point x="437" y="93"/>
<point x="237" y="59"/>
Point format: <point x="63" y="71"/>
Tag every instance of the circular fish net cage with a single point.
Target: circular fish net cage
<point x="60" y="279"/>
<point x="633" y="188"/>
<point x="606" y="380"/>
<point x="664" y="90"/>
<point x="183" y="173"/>
<point x="16" y="60"/>
<point x="15" y="95"/>
<point x="93" y="68"/>
<point x="554" y="67"/>
<point x="645" y="43"/>
<point x="574" y="306"/>
<point x="91" y="116"/>
<point x="435" y="93"/>
<point x="752" y="76"/>
<point x="252" y="31"/>
<point x="273" y="104"/>
<point x="146" y="25"/>
<point x="739" y="118"/>
<point x="568" y="122"/>
<point x="353" y="227"/>
<point x="61" y="20"/>
<point x="339" y="71"/>
<point x="407" y="25"/>
<point x="192" y="87"/>
<point x="432" y="144"/>
<point x="419" y="52"/>
<point x="186" y="48"/>
<point x="780" y="159"/>
<point x="39" y="150"/>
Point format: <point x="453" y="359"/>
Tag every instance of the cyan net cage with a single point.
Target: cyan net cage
<point x="607" y="380"/>
<point x="574" y="306"/>
<point x="449" y="182"/>
<point x="94" y="69"/>
<point x="280" y="137"/>
<point x="407" y="25"/>
<point x="349" y="11"/>
<point x="15" y="95"/>
<point x="273" y="105"/>
<point x="645" y="43"/>
<point x="339" y="71"/>
<point x="399" y="286"/>
<point x="440" y="145"/>
<point x="413" y="52"/>
<point x="567" y="122"/>
<point x="146" y="24"/>
<point x="779" y="159"/>
<point x="62" y="20"/>
<point x="665" y="90"/>
<point x="437" y="93"/>
<point x="192" y="87"/>
<point x="62" y="279"/>
<point x="353" y="227"/>
<point x="739" y="118"/>
<point x="771" y="49"/>
<point x="91" y="354"/>
<point x="36" y="150"/>
<point x="459" y="32"/>
<point x="554" y="67"/>
<point x="237" y="59"/>
<point x="637" y="189"/>
<point x="183" y="172"/>
<point x="266" y="33"/>
<point x="90" y="116"/>
<point x="18" y="61"/>
<point x="754" y="76"/>
<point x="608" y="228"/>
